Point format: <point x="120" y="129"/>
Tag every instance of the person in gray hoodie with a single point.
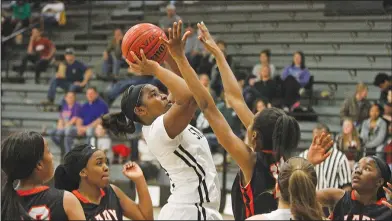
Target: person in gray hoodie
<point x="374" y="131"/>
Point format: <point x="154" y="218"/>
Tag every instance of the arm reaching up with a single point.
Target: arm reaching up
<point x="243" y="155"/>
<point x="233" y="92"/>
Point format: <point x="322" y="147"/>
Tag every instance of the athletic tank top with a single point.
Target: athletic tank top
<point x="187" y="161"/>
<point x="43" y="203"/>
<point x="348" y="208"/>
<point x="258" y="196"/>
<point x="279" y="214"/>
<point x="108" y="209"/>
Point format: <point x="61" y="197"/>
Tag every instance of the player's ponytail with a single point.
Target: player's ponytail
<point x="276" y="132"/>
<point x="297" y="182"/>
<point x="20" y="153"/>
<point x="122" y="123"/>
<point x="117" y="124"/>
<point x="66" y="176"/>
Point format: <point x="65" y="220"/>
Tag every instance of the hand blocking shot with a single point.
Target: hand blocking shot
<point x="181" y="149"/>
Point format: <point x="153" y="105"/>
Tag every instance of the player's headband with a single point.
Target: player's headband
<point x="131" y="100"/>
<point x="80" y="158"/>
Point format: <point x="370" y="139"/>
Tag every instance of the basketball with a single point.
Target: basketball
<point x="144" y="36"/>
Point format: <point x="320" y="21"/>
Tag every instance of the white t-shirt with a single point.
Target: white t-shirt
<point x="58" y="7"/>
<point x="187" y="161"/>
<point x="279" y="214"/>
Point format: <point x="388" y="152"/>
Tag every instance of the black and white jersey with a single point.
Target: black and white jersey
<point x="187" y="161"/>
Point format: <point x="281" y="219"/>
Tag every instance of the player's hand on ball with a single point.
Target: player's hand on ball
<point x="388" y="191"/>
<point x="318" y="151"/>
<point x="176" y="42"/>
<point x="132" y="171"/>
<point x="143" y="66"/>
<point x="206" y="38"/>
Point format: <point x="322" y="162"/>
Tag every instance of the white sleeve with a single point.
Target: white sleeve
<point x="158" y="140"/>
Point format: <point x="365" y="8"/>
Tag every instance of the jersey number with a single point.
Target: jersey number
<point x="196" y="133"/>
<point x="41" y="212"/>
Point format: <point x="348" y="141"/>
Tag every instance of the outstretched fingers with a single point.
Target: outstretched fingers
<point x="135" y="58"/>
<point x="179" y="29"/>
<point x="142" y="55"/>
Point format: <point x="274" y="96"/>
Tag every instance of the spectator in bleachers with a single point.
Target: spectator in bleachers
<point x="335" y="171"/>
<point x="383" y="81"/>
<point x="52" y="14"/>
<point x="373" y="132"/>
<point x="115" y="60"/>
<point x="6" y="29"/>
<point x="193" y="47"/>
<point x="267" y="87"/>
<point x="216" y="80"/>
<point x="356" y="107"/>
<point x="265" y="60"/>
<point x="90" y="114"/>
<point x="249" y="92"/>
<point x="167" y="22"/>
<point x="387" y="113"/>
<point x="71" y="76"/>
<point x="205" y="81"/>
<point x="40" y="51"/>
<point x="101" y="140"/>
<point x="388" y="147"/>
<point x="294" y="77"/>
<point x="69" y="113"/>
<point x="349" y="142"/>
<point x="21" y="14"/>
<point x="259" y="106"/>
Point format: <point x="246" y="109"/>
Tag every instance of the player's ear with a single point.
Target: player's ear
<point x="140" y="111"/>
<point x="40" y="165"/>
<point x="83" y="173"/>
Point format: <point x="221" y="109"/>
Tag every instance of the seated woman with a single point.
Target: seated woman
<point x="349" y="142"/>
<point x="265" y="60"/>
<point x="373" y="132"/>
<point x="294" y="77"/>
<point x="296" y="175"/>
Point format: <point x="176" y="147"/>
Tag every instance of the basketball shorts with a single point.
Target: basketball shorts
<point x="197" y="211"/>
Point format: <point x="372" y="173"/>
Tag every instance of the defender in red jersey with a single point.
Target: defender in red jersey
<point x="86" y="174"/>
<point x="367" y="200"/>
<point x="26" y="157"/>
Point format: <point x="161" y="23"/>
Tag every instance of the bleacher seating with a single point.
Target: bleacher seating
<point x="339" y="51"/>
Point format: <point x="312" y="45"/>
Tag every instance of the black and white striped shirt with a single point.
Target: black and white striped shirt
<point x="334" y="172"/>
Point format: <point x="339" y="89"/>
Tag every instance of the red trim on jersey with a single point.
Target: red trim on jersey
<point x="247" y="198"/>
<point x="379" y="202"/>
<point x="84" y="199"/>
<point x="268" y="151"/>
<point x="330" y="216"/>
<point x="32" y="191"/>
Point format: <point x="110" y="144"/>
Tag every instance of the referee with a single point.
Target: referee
<point x="335" y="171"/>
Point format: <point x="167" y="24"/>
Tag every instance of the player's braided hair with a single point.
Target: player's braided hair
<point x="276" y="132"/>
<point x="20" y="153"/>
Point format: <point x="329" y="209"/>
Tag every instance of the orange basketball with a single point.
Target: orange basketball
<point x="144" y="36"/>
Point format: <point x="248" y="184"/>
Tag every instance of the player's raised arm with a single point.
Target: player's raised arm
<point x="244" y="157"/>
<point x="232" y="90"/>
